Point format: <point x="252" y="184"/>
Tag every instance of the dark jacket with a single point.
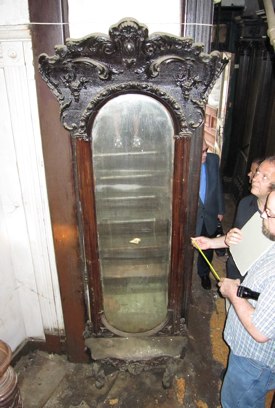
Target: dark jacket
<point x="214" y="200"/>
<point x="247" y="207"/>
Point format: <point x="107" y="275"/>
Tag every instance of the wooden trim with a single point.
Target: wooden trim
<point x="58" y="159"/>
<point x="52" y="344"/>
<point x="180" y="195"/>
<point x="87" y="199"/>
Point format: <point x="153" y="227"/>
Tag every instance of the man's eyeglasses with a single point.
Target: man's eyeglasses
<point x="268" y="214"/>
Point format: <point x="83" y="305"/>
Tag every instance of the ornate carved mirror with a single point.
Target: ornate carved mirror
<point x="134" y="107"/>
<point x="132" y="140"/>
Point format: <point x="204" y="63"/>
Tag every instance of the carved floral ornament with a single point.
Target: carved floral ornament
<point x="85" y="73"/>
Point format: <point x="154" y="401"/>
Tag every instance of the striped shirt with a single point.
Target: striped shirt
<point x="260" y="278"/>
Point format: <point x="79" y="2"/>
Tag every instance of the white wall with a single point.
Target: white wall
<point x="29" y="293"/>
<point x="159" y="16"/>
<point x="14" y="12"/>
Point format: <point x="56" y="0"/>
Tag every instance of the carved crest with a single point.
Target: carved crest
<point x="84" y="73"/>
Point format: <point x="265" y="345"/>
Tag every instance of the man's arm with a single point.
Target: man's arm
<point x="210" y="243"/>
<point x="244" y="310"/>
<point x="233" y="237"/>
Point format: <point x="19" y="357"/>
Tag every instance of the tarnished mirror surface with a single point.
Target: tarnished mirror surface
<point x="132" y="150"/>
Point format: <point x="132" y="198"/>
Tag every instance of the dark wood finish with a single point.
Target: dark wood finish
<point x="270" y="139"/>
<point x="86" y="193"/>
<point x="193" y="176"/>
<point x="250" y="121"/>
<point x="252" y="110"/>
<point x="180" y="235"/>
<point x="84" y="74"/>
<point x="52" y="344"/>
<point x="226" y="30"/>
<point x="58" y="159"/>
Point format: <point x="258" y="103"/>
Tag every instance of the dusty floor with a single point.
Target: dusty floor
<point x="51" y="381"/>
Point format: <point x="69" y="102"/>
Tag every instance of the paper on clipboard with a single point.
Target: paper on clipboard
<point x="252" y="246"/>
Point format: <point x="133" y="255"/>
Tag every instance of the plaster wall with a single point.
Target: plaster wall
<point x="158" y="16"/>
<point x="29" y="293"/>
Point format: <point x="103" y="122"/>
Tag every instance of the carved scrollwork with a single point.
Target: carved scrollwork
<point x="84" y="73"/>
<point x="128" y="36"/>
<point x="90" y="332"/>
<point x="136" y="367"/>
<point x="171" y="103"/>
<point x="74" y="84"/>
<point x="165" y="329"/>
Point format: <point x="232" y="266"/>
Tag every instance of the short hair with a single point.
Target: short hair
<point x="258" y="160"/>
<point x="270" y="159"/>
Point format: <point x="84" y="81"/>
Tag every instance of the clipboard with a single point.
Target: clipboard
<point x="253" y="245"/>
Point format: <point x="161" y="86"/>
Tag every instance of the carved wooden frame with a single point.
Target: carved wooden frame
<point x="83" y="75"/>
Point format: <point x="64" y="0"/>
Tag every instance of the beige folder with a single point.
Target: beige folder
<point x="253" y="245"/>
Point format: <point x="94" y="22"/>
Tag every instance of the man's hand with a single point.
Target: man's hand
<point x="203" y="242"/>
<point x="209" y="243"/>
<point x="233" y="237"/>
<point x="228" y="288"/>
<point x="244" y="310"/>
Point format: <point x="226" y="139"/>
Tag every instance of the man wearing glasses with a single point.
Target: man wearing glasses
<point x="250" y="324"/>
<point x="250" y="327"/>
<point x="248" y="206"/>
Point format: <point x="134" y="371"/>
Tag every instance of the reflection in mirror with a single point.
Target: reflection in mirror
<point x="133" y="146"/>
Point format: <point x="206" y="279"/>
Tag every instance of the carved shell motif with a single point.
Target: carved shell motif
<point x="84" y="73"/>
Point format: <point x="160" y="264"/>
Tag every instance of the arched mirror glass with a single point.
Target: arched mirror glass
<point x="132" y="150"/>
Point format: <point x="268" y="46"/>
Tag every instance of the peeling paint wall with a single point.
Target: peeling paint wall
<point x="29" y="293"/>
